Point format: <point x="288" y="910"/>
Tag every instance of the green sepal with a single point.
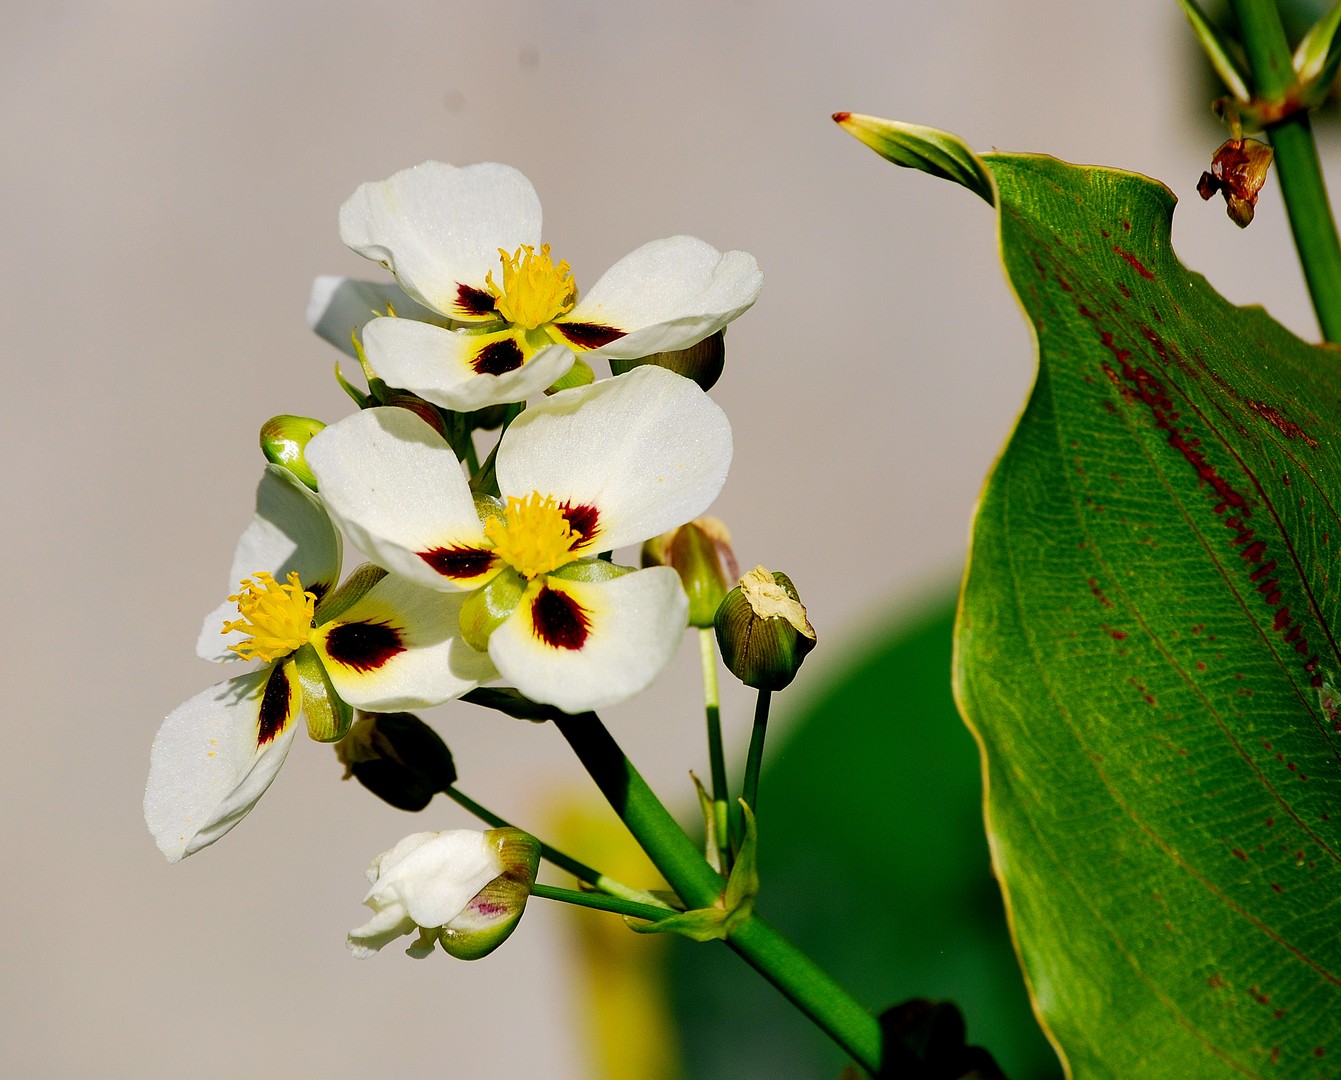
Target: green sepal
<point x="1219" y="50"/>
<point x="709" y="810"/>
<point x="598" y="569"/>
<point x="493" y="913"/>
<point x="359" y="397"/>
<point x="734" y="906"/>
<point x="488" y="607"/>
<point x="353" y="589"/>
<point x="922" y="148"/>
<point x="328" y="715"/>
<point x="580" y="374"/>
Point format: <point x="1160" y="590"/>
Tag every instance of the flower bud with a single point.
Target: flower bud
<point x="702" y="362"/>
<point x="397" y="757"/>
<point x="493" y="913"/>
<point x="763" y="631"/>
<point x="284" y="439"/>
<point x="463" y="888"/>
<point x="700" y="552"/>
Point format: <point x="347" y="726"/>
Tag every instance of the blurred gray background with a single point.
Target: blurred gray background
<point x="172" y="176"/>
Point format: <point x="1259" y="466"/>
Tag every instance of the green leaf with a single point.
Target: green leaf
<point x="1148" y="620"/>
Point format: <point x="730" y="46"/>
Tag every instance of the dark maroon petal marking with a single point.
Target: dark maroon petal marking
<point x="588" y="335"/>
<point x="559" y="620"/>
<point x="474" y="301"/>
<point x="363" y="646"/>
<point x="582" y="520"/>
<point x="498" y="358"/>
<point x="459" y="562"/>
<point x="274" y="712"/>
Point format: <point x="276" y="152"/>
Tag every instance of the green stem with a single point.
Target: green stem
<point x="472" y="459"/>
<point x="707" y="647"/>
<point x="755" y="758"/>
<point x="831" y="1008"/>
<point x="805" y="985"/>
<point x="579" y="870"/>
<point x="1296" y="157"/>
<point x="601" y="903"/>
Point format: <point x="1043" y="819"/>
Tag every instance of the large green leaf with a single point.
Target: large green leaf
<point x="1146" y="643"/>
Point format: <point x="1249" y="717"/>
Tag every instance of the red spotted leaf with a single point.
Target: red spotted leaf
<point x="1147" y="649"/>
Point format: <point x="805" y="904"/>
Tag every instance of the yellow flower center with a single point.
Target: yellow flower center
<point x="533" y="536"/>
<point x="535" y="291"/>
<point x="277" y="618"/>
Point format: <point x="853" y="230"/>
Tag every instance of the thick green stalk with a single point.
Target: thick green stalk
<point x="831" y="1008"/>
<point x="1296" y="159"/>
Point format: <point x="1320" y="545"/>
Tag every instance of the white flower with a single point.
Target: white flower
<point x="491" y="316"/>
<point x="379" y="642"/>
<point x="463" y="888"/>
<point x="584" y="471"/>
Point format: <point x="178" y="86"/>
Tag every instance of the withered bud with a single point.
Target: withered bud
<point x="1238" y="171"/>
<point x="763" y="631"/>
<point x="702" y="362"/>
<point x="397" y="757"/>
<point x="700" y="552"/>
<point x="284" y="440"/>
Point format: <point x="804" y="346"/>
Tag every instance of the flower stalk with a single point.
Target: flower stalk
<point x="671" y="850"/>
<point x="716" y="758"/>
<point x="580" y="870"/>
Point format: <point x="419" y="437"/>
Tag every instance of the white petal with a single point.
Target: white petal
<point x="633" y="625"/>
<point x="290" y="531"/>
<point x="404" y="651"/>
<point x="437" y="227"/>
<point x="206" y="770"/>
<point x="384" y="927"/>
<point x="436" y="878"/>
<point x="440" y="365"/>
<point x="648" y="450"/>
<point x="668" y="295"/>
<point x="397" y="490"/>
<point x="339" y="305"/>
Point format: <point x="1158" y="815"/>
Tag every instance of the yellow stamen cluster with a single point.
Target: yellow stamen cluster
<point x="534" y="291"/>
<point x="533" y="536"/>
<point x="277" y="618"/>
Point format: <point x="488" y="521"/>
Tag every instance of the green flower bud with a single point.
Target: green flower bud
<point x="397" y="757"/>
<point x="700" y="552"/>
<point x="763" y="631"/>
<point x="283" y="440"/>
<point x="491" y="916"/>
<point x="702" y="362"/>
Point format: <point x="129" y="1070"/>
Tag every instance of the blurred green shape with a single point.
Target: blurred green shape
<point x="873" y="860"/>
